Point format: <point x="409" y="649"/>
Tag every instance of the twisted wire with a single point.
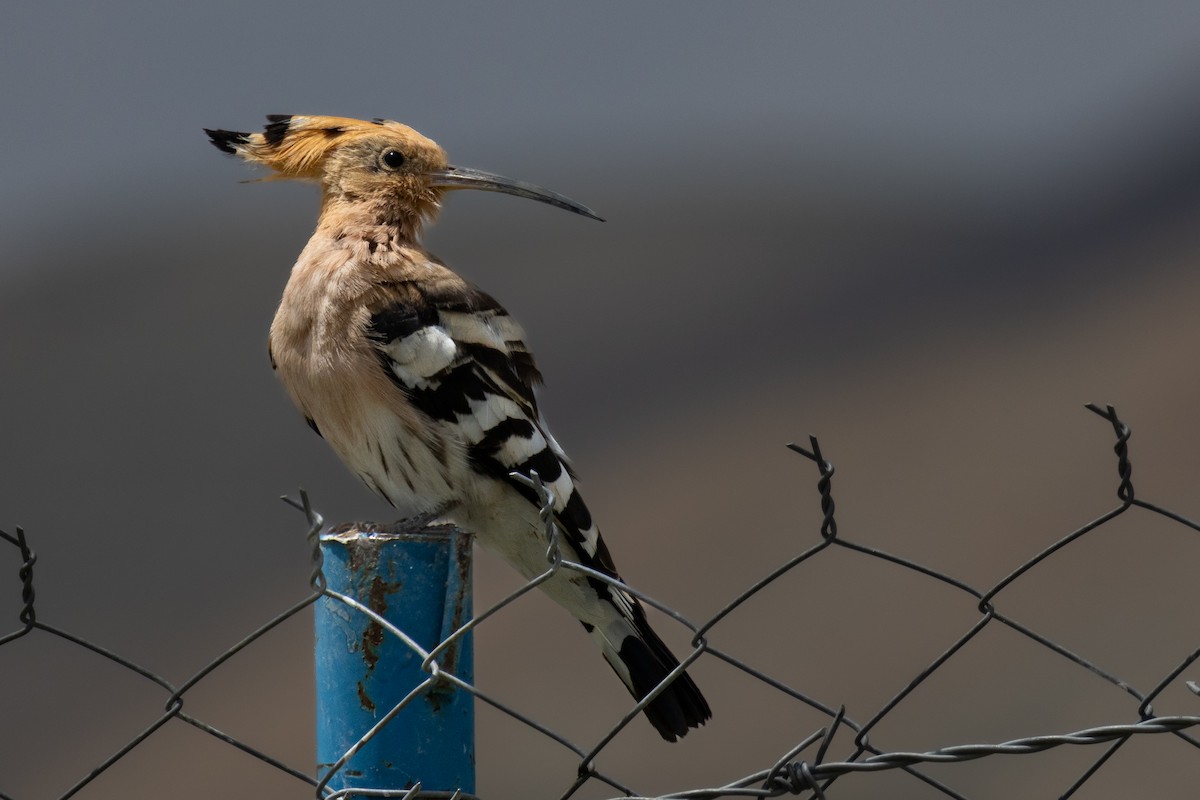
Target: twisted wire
<point x="787" y="774"/>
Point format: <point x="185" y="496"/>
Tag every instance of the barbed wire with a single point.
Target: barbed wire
<point x="787" y="774"/>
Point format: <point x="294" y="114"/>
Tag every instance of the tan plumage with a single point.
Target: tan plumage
<point x="422" y="383"/>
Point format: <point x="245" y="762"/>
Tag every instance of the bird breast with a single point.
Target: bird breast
<point x="332" y="372"/>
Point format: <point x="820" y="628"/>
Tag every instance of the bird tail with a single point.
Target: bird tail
<point x="642" y="661"/>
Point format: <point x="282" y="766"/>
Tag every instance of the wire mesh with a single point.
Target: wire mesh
<point x="806" y="768"/>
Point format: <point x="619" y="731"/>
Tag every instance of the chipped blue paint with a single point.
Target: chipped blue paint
<point x="419" y="582"/>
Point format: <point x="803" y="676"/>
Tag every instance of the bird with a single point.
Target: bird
<point x="422" y="383"/>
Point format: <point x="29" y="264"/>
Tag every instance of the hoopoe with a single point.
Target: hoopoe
<point x="422" y="383"/>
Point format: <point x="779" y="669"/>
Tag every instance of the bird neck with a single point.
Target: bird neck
<point x="377" y="219"/>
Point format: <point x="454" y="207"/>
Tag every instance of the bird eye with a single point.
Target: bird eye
<point x="392" y="159"/>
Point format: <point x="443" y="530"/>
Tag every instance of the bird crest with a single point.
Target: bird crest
<point x="295" y="146"/>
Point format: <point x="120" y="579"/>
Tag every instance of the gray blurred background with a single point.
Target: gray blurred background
<point x="927" y="232"/>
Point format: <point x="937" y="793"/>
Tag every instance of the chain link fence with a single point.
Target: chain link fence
<point x="810" y="767"/>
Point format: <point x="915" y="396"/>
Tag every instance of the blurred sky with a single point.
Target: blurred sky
<point x="928" y="232"/>
<point x="1035" y="99"/>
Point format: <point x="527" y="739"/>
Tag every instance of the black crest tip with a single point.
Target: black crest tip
<point x="225" y="141"/>
<point x="277" y="129"/>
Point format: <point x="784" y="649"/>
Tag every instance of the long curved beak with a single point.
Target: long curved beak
<point x="465" y="178"/>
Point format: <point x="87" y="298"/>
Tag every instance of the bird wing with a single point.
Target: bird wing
<point x="461" y="360"/>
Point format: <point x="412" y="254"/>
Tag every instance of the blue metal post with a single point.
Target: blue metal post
<point x="420" y="582"/>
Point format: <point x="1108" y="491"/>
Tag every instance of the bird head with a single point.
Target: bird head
<point x="398" y="173"/>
